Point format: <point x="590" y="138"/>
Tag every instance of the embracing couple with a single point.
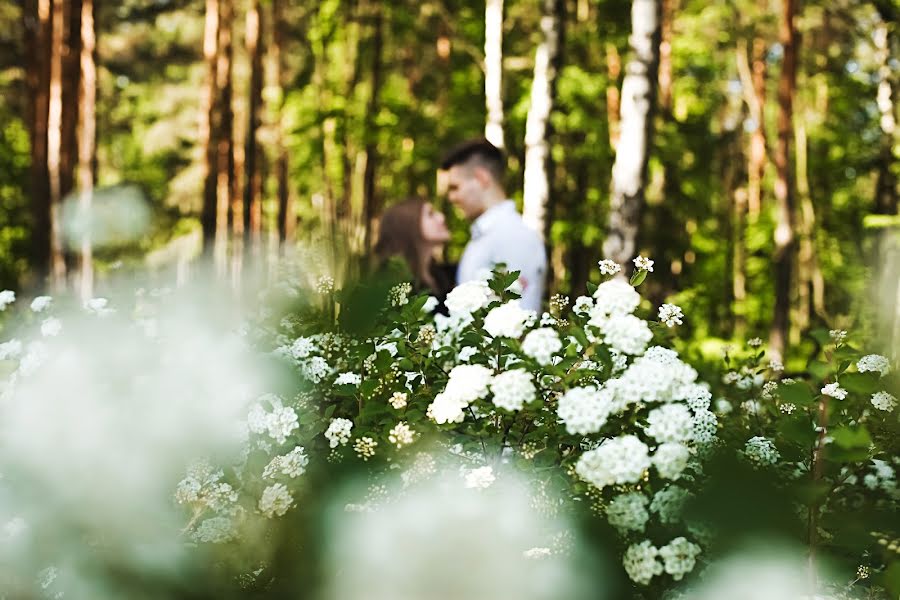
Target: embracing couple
<point x="414" y="231"/>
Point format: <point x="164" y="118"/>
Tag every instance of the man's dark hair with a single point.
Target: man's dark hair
<point x="479" y="152"/>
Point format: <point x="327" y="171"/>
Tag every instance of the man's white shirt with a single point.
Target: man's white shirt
<point x="500" y="235"/>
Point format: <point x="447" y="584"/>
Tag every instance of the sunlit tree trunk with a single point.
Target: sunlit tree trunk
<point x="225" y="177"/>
<point x="37" y="37"/>
<point x="613" y="100"/>
<point x="209" y="125"/>
<point x="285" y="206"/>
<point x="86" y="143"/>
<point x="669" y="8"/>
<point x="252" y="202"/>
<point x="537" y="146"/>
<point x="784" y="237"/>
<point x="493" y="71"/>
<point x="638" y="99"/>
<point x="370" y="200"/>
<point x="810" y="281"/>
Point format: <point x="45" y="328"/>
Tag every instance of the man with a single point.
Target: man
<point x="475" y="173"/>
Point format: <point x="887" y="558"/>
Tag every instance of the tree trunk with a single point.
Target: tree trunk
<point x="252" y="202"/>
<point x="784" y="238"/>
<point x="613" y="104"/>
<point x="537" y="124"/>
<point x="285" y="207"/>
<point x="225" y="154"/>
<point x="638" y="100"/>
<point x="493" y="71"/>
<point x="86" y="143"/>
<point x="209" y="129"/>
<point x="37" y="37"/>
<point x="753" y="82"/>
<point x="669" y="8"/>
<point x="370" y="201"/>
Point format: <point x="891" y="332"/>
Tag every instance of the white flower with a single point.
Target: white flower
<point x="325" y="284"/>
<point x="546" y="320"/>
<point x="445" y="408"/>
<point x="723" y="406"/>
<point x="614" y="297"/>
<point x="643" y="264"/>
<point x="584" y="410"/>
<point x="398" y="400"/>
<point x="302" y="347"/>
<point x="275" y="501"/>
<point x="399" y="294"/>
<point x="761" y="451"/>
<point x="7" y="297"/>
<point x="670" y="460"/>
<point x="668" y="503"/>
<point x="281" y="422"/>
<point x="466" y="353"/>
<point x="679" y="557"/>
<point x="884" y="401"/>
<point x="98" y="306"/>
<point x="628" y="512"/>
<point x="315" y="369"/>
<point x="10" y="350"/>
<point x="670" y="423"/>
<point x="609" y="267"/>
<point x="51" y="327"/>
<point x="292" y="464"/>
<point x="513" y="389"/>
<point x="348" y="379"/>
<point x="776" y="366"/>
<point x="835" y="391"/>
<point x="583" y="305"/>
<point x="365" y="447"/>
<point x="508" y="320"/>
<point x="536" y="553"/>
<point x="541" y="344"/>
<point x="468" y="297"/>
<point x="873" y="362"/>
<point x="705" y="427"/>
<point x="468" y="383"/>
<point x="754" y="342"/>
<point x="626" y="333"/>
<point x="618" y="460"/>
<point x="401" y="435"/>
<point x="670" y="314"/>
<point x="430" y="304"/>
<point x="41" y="303"/>
<point x="480" y="478"/>
<point x="215" y="530"/>
<point x="641" y="563"/>
<point x="838" y="335"/>
<point x="338" y="432"/>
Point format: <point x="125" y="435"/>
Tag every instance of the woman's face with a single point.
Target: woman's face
<point x="434" y="229"/>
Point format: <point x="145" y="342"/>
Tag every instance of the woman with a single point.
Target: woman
<point x="414" y="231"/>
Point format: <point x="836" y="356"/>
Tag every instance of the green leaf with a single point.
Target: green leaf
<point x="859" y="383"/>
<point x="852" y="437"/>
<point x="637" y="278"/>
<point x="891" y="578"/>
<point x="821" y="335"/>
<point x="820" y="370"/>
<point x="796" y="393"/>
<point x="798" y="430"/>
<point x="591" y="288"/>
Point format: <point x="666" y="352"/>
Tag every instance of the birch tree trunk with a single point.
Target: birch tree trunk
<point x="86" y="144"/>
<point x="208" y="134"/>
<point x="638" y="100"/>
<point x="493" y="71"/>
<point x="537" y="147"/>
<point x="784" y="238"/>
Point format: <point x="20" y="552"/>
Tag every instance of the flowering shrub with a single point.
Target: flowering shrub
<point x="588" y="395"/>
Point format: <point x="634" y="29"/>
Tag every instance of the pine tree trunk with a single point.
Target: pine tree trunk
<point x="370" y="201"/>
<point x="285" y="207"/>
<point x="209" y="129"/>
<point x="225" y="153"/>
<point x="493" y="71"/>
<point x="252" y="202"/>
<point x="537" y="124"/>
<point x="86" y="142"/>
<point x="37" y="37"/>
<point x="638" y="100"/>
<point x="669" y="8"/>
<point x="785" y="241"/>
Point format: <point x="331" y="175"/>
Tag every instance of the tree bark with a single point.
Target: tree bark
<point x="209" y="125"/>
<point x="225" y="153"/>
<point x="638" y="100"/>
<point x="86" y="144"/>
<point x="285" y="207"/>
<point x="370" y="200"/>
<point x="493" y="71"/>
<point x="37" y="37"/>
<point x="252" y="202"/>
<point x="669" y="7"/>
<point x="537" y="124"/>
<point x="784" y="237"/>
<point x="613" y="101"/>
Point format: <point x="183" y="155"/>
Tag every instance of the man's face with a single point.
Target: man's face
<point x="466" y="190"/>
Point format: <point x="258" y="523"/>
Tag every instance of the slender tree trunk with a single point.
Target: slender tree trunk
<point x="252" y="203"/>
<point x="638" y="100"/>
<point x="37" y="35"/>
<point x="370" y="201"/>
<point x="285" y="206"/>
<point x="209" y="130"/>
<point x="753" y="73"/>
<point x="669" y="8"/>
<point x="225" y="154"/>
<point x="613" y="101"/>
<point x="86" y="143"/>
<point x="785" y="241"/>
<point x="537" y="124"/>
<point x="493" y="71"/>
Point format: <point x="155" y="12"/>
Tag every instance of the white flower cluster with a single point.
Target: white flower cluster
<point x="292" y="464"/>
<point x="467" y="383"/>
<point x="835" y="391"/>
<point x="670" y="423"/>
<point x="628" y="512"/>
<point x="338" y="432"/>
<point x="315" y="369"/>
<point x="275" y="500"/>
<point x="670" y="314"/>
<point x="874" y="363"/>
<point x="619" y="460"/>
<point x="657" y="376"/>
<point x="203" y="488"/>
<point x="670" y="459"/>
<point x="541" y="344"/>
<point x="643" y="264"/>
<point x="761" y="451"/>
<point x="837" y="335"/>
<point x="398" y="400"/>
<point x="668" y="503"/>
<point x="513" y="389"/>
<point x="884" y="401"/>
<point x="614" y="297"/>
<point x="279" y="423"/>
<point x="10" y="350"/>
<point x="480" y="478"/>
<point x="50" y="327"/>
<point x="626" y="333"/>
<point x="7" y="297"/>
<point x="583" y="305"/>
<point x="881" y="476"/>
<point x="508" y="320"/>
<point x="679" y="557"/>
<point x="401" y="435"/>
<point x="41" y="303"/>
<point x="584" y="410"/>
<point x="609" y="267"/>
<point x="302" y="347"/>
<point x="468" y="297"/>
<point x="215" y="530"/>
<point x="399" y="294"/>
<point x="641" y="563"/>
<point x="348" y="379"/>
